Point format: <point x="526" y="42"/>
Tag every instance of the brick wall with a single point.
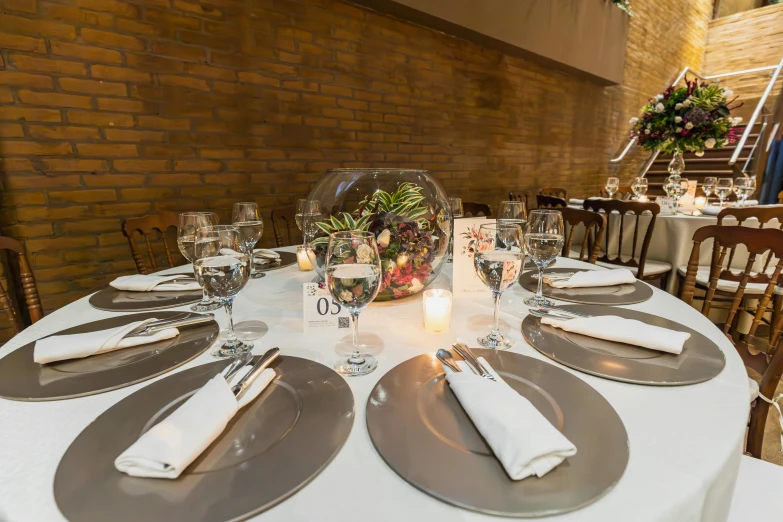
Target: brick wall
<point x="111" y="109"/>
<point x="744" y="41"/>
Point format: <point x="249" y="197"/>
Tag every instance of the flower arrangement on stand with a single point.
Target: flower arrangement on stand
<point x="692" y="118"/>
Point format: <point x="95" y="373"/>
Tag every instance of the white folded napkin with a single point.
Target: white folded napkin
<point x="622" y="330"/>
<point x="77" y="346"/>
<point x="265" y="253"/>
<point x="522" y="439"/>
<point x="146" y="283"/>
<point x="592" y="278"/>
<point x="171" y="445"/>
<point x="575" y="201"/>
<point x="711" y="210"/>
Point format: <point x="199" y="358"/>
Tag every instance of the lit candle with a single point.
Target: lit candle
<point x="302" y="259"/>
<point x="437" y="310"/>
<point x="643" y="198"/>
<point x="700" y="202"/>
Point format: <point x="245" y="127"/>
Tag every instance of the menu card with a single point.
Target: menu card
<point x="466" y="234"/>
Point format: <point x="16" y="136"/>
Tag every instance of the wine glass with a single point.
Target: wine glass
<point x="251" y="227"/>
<point x="723" y="189"/>
<point x="708" y="186"/>
<point x="743" y="188"/>
<point x="353" y="276"/>
<point x="513" y="212"/>
<point x="456" y="212"/>
<point x="189" y="223"/>
<point x="612" y="184"/>
<point x="224" y="269"/>
<point x="544" y="241"/>
<point x="678" y="190"/>
<point x="639" y="187"/>
<point x="498" y="263"/>
<point x="308" y="213"/>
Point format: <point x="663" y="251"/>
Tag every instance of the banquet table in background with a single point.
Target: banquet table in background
<point x="672" y="240"/>
<point x="685" y="442"/>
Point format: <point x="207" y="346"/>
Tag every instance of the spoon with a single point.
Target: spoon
<point x="445" y="357"/>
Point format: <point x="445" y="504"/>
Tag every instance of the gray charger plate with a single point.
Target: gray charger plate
<point x="268" y="451"/>
<point x="21" y="378"/>
<point x="420" y="429"/>
<point x="637" y="292"/>
<point x="114" y="300"/>
<point x="286" y="259"/>
<point x="700" y="360"/>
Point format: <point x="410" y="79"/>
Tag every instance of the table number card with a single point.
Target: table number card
<point x="465" y="280"/>
<point x="321" y="312"/>
<point x="666" y="204"/>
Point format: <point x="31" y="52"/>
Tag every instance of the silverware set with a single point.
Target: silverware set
<point x="149" y="329"/>
<point x="467" y="355"/>
<point x="557" y="313"/>
<point x="555" y="276"/>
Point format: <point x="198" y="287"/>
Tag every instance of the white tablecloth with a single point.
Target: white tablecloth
<point x="685" y="441"/>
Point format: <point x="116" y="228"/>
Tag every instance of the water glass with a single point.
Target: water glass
<point x="744" y="188"/>
<point x="251" y="227"/>
<point x="223" y="269"/>
<point x="498" y="262"/>
<point x="612" y="185"/>
<point x="639" y="187"/>
<point x="456" y="212"/>
<point x="353" y="276"/>
<point x="308" y="213"/>
<point x="678" y="190"/>
<point x="513" y="212"/>
<point x="189" y="222"/>
<point x="723" y="189"/>
<point x="543" y="241"/>
<point x="708" y="186"/>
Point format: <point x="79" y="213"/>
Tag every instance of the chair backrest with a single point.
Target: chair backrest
<point x="594" y="224"/>
<point x="520" y="196"/>
<point x="151" y="228"/>
<point x="284" y="226"/>
<point x="554" y="191"/>
<point x="620" y="225"/>
<point x="623" y="193"/>
<point x="763" y="213"/>
<point x="476" y="209"/>
<point x="544" y="201"/>
<point x="770" y="364"/>
<point x="22" y="294"/>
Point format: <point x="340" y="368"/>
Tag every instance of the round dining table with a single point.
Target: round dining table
<point x="685" y="441"/>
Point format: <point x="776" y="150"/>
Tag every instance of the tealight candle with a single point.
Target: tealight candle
<point x="700" y="202"/>
<point x="437" y="310"/>
<point x="643" y="198"/>
<point x="302" y="259"/>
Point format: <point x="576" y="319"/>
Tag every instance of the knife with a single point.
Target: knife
<point x="241" y="387"/>
<point x="464" y="352"/>
<point x="157" y="326"/>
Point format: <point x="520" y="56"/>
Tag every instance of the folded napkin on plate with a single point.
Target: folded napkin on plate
<point x="522" y="439"/>
<point x="592" y="278"/>
<point x="146" y="283"/>
<point x="622" y="330"/>
<point x="171" y="445"/>
<point x="265" y="253"/>
<point x="77" y="346"/>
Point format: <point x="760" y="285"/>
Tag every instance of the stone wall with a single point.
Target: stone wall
<point x="111" y="109"/>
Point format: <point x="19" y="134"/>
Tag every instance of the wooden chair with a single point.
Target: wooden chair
<point x="594" y="225"/>
<point x="476" y="209"/>
<point x="554" y="192"/>
<point x="623" y="193"/>
<point x="768" y="366"/>
<point x="151" y="228"/>
<point x="646" y="269"/>
<point x="19" y="302"/>
<point x="520" y="196"/>
<point x="544" y="201"/>
<point x="284" y="226"/>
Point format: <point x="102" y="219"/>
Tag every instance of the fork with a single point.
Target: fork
<point x="550" y="308"/>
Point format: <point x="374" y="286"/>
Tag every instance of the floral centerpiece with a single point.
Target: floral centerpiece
<point x="408" y="212"/>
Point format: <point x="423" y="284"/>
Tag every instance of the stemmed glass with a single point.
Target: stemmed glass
<point x="723" y="189"/>
<point x="223" y="270"/>
<point x="544" y="241"/>
<point x="189" y="223"/>
<point x="498" y="263"/>
<point x="708" y="186"/>
<point x="639" y="187"/>
<point x="308" y="213"/>
<point x="251" y="227"/>
<point x="456" y="212"/>
<point x="513" y="212"/>
<point x="743" y="188"/>
<point x="678" y="190"/>
<point x="353" y="276"/>
<point x="612" y="184"/>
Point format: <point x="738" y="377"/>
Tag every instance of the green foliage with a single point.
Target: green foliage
<point x="336" y="224"/>
<point x="405" y="202"/>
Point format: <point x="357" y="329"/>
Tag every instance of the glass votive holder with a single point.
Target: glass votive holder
<point x="302" y="259"/>
<point x="700" y="202"/>
<point x="436" y="305"/>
